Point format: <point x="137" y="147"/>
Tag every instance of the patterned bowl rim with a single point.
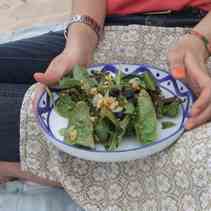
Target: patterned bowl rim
<point x="180" y="130"/>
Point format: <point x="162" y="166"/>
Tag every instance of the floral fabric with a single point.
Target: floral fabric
<point x="177" y="179"/>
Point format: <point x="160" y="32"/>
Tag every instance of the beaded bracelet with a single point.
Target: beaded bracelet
<point x="203" y="39"/>
<point x="85" y="20"/>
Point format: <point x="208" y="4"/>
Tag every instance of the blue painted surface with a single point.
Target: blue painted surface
<point x="139" y="69"/>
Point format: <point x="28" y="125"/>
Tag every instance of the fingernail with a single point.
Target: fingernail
<point x="189" y="125"/>
<point x="179" y="73"/>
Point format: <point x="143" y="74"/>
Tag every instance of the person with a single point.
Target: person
<point x="25" y="59"/>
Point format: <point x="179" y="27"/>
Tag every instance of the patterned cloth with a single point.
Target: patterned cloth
<point x="177" y="179"/>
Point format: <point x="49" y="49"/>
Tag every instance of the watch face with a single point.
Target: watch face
<point x="86" y="20"/>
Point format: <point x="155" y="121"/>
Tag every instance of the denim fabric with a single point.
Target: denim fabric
<point x="11" y="96"/>
<point x="18" y="196"/>
<point x="18" y="61"/>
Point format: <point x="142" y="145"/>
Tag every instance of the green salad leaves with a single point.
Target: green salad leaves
<point x="146" y="121"/>
<point x="102" y="109"/>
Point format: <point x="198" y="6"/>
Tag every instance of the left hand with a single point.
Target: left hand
<point x="191" y="56"/>
<point x="77" y="51"/>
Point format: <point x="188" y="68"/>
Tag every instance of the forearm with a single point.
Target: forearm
<point x="93" y="8"/>
<point x="80" y="33"/>
<point x="204" y="26"/>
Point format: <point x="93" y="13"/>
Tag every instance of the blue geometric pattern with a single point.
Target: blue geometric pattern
<point x="163" y="79"/>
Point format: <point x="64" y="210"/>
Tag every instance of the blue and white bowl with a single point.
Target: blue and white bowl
<point x="130" y="149"/>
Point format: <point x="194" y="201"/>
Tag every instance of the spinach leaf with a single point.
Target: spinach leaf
<point x="81" y="129"/>
<point x="130" y="130"/>
<point x="118" y="134"/>
<point x="64" y="105"/>
<point x="118" y="78"/>
<point x="171" y="109"/>
<point x="167" y="124"/>
<point x="67" y="83"/>
<point x="149" y="81"/>
<point x="130" y="108"/>
<point x="105" y="113"/>
<point x="146" y="122"/>
<point x="102" y="130"/>
<point x="80" y="73"/>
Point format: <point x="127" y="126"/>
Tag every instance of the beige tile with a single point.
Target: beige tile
<point x="24" y="13"/>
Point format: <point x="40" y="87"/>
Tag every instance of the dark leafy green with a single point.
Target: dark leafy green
<point x="118" y="134"/>
<point x="64" y="106"/>
<point x="102" y="109"/>
<point x="149" y="81"/>
<point x="170" y="109"/>
<point x="102" y="130"/>
<point x="167" y="124"/>
<point x="67" y="83"/>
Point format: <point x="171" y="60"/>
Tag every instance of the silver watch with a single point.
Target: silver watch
<point x="85" y="20"/>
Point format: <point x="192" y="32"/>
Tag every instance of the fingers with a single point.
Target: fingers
<point x="202" y="102"/>
<point x="55" y="71"/>
<point x="36" y="95"/>
<point x="47" y="78"/>
<point x="194" y="72"/>
<point x="201" y="85"/>
<point x="52" y="75"/>
<point x="176" y="63"/>
<point x="203" y="117"/>
<point x="197" y="68"/>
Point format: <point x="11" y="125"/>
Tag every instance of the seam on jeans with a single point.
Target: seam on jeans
<point x="24" y="58"/>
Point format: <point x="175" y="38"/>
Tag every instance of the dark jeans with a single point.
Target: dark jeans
<point x="20" y="59"/>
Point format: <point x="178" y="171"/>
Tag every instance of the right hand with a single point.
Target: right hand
<point x="77" y="51"/>
<point x="190" y="55"/>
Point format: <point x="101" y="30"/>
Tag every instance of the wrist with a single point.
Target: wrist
<point x="203" y="39"/>
<point x="81" y="36"/>
<point x="79" y="52"/>
<point x="195" y="45"/>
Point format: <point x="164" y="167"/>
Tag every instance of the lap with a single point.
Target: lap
<point x="176" y="179"/>
<point x="173" y="177"/>
<point x="20" y="59"/>
<point x="25" y="197"/>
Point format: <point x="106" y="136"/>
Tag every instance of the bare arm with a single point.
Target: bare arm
<point x="190" y="55"/>
<point x="204" y="28"/>
<point x="80" y="32"/>
<point x="80" y="45"/>
<point x="94" y="8"/>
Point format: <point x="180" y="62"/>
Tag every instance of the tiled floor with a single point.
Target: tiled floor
<point x="16" y="14"/>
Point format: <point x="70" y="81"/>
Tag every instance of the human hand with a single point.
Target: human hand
<point x="77" y="51"/>
<point x="188" y="62"/>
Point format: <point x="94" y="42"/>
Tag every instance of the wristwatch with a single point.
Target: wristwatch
<point x="85" y="20"/>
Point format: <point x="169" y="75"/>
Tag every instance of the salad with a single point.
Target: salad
<point x="102" y="109"/>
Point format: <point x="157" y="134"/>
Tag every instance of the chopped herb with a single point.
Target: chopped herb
<point x="167" y="124"/>
<point x="102" y="109"/>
